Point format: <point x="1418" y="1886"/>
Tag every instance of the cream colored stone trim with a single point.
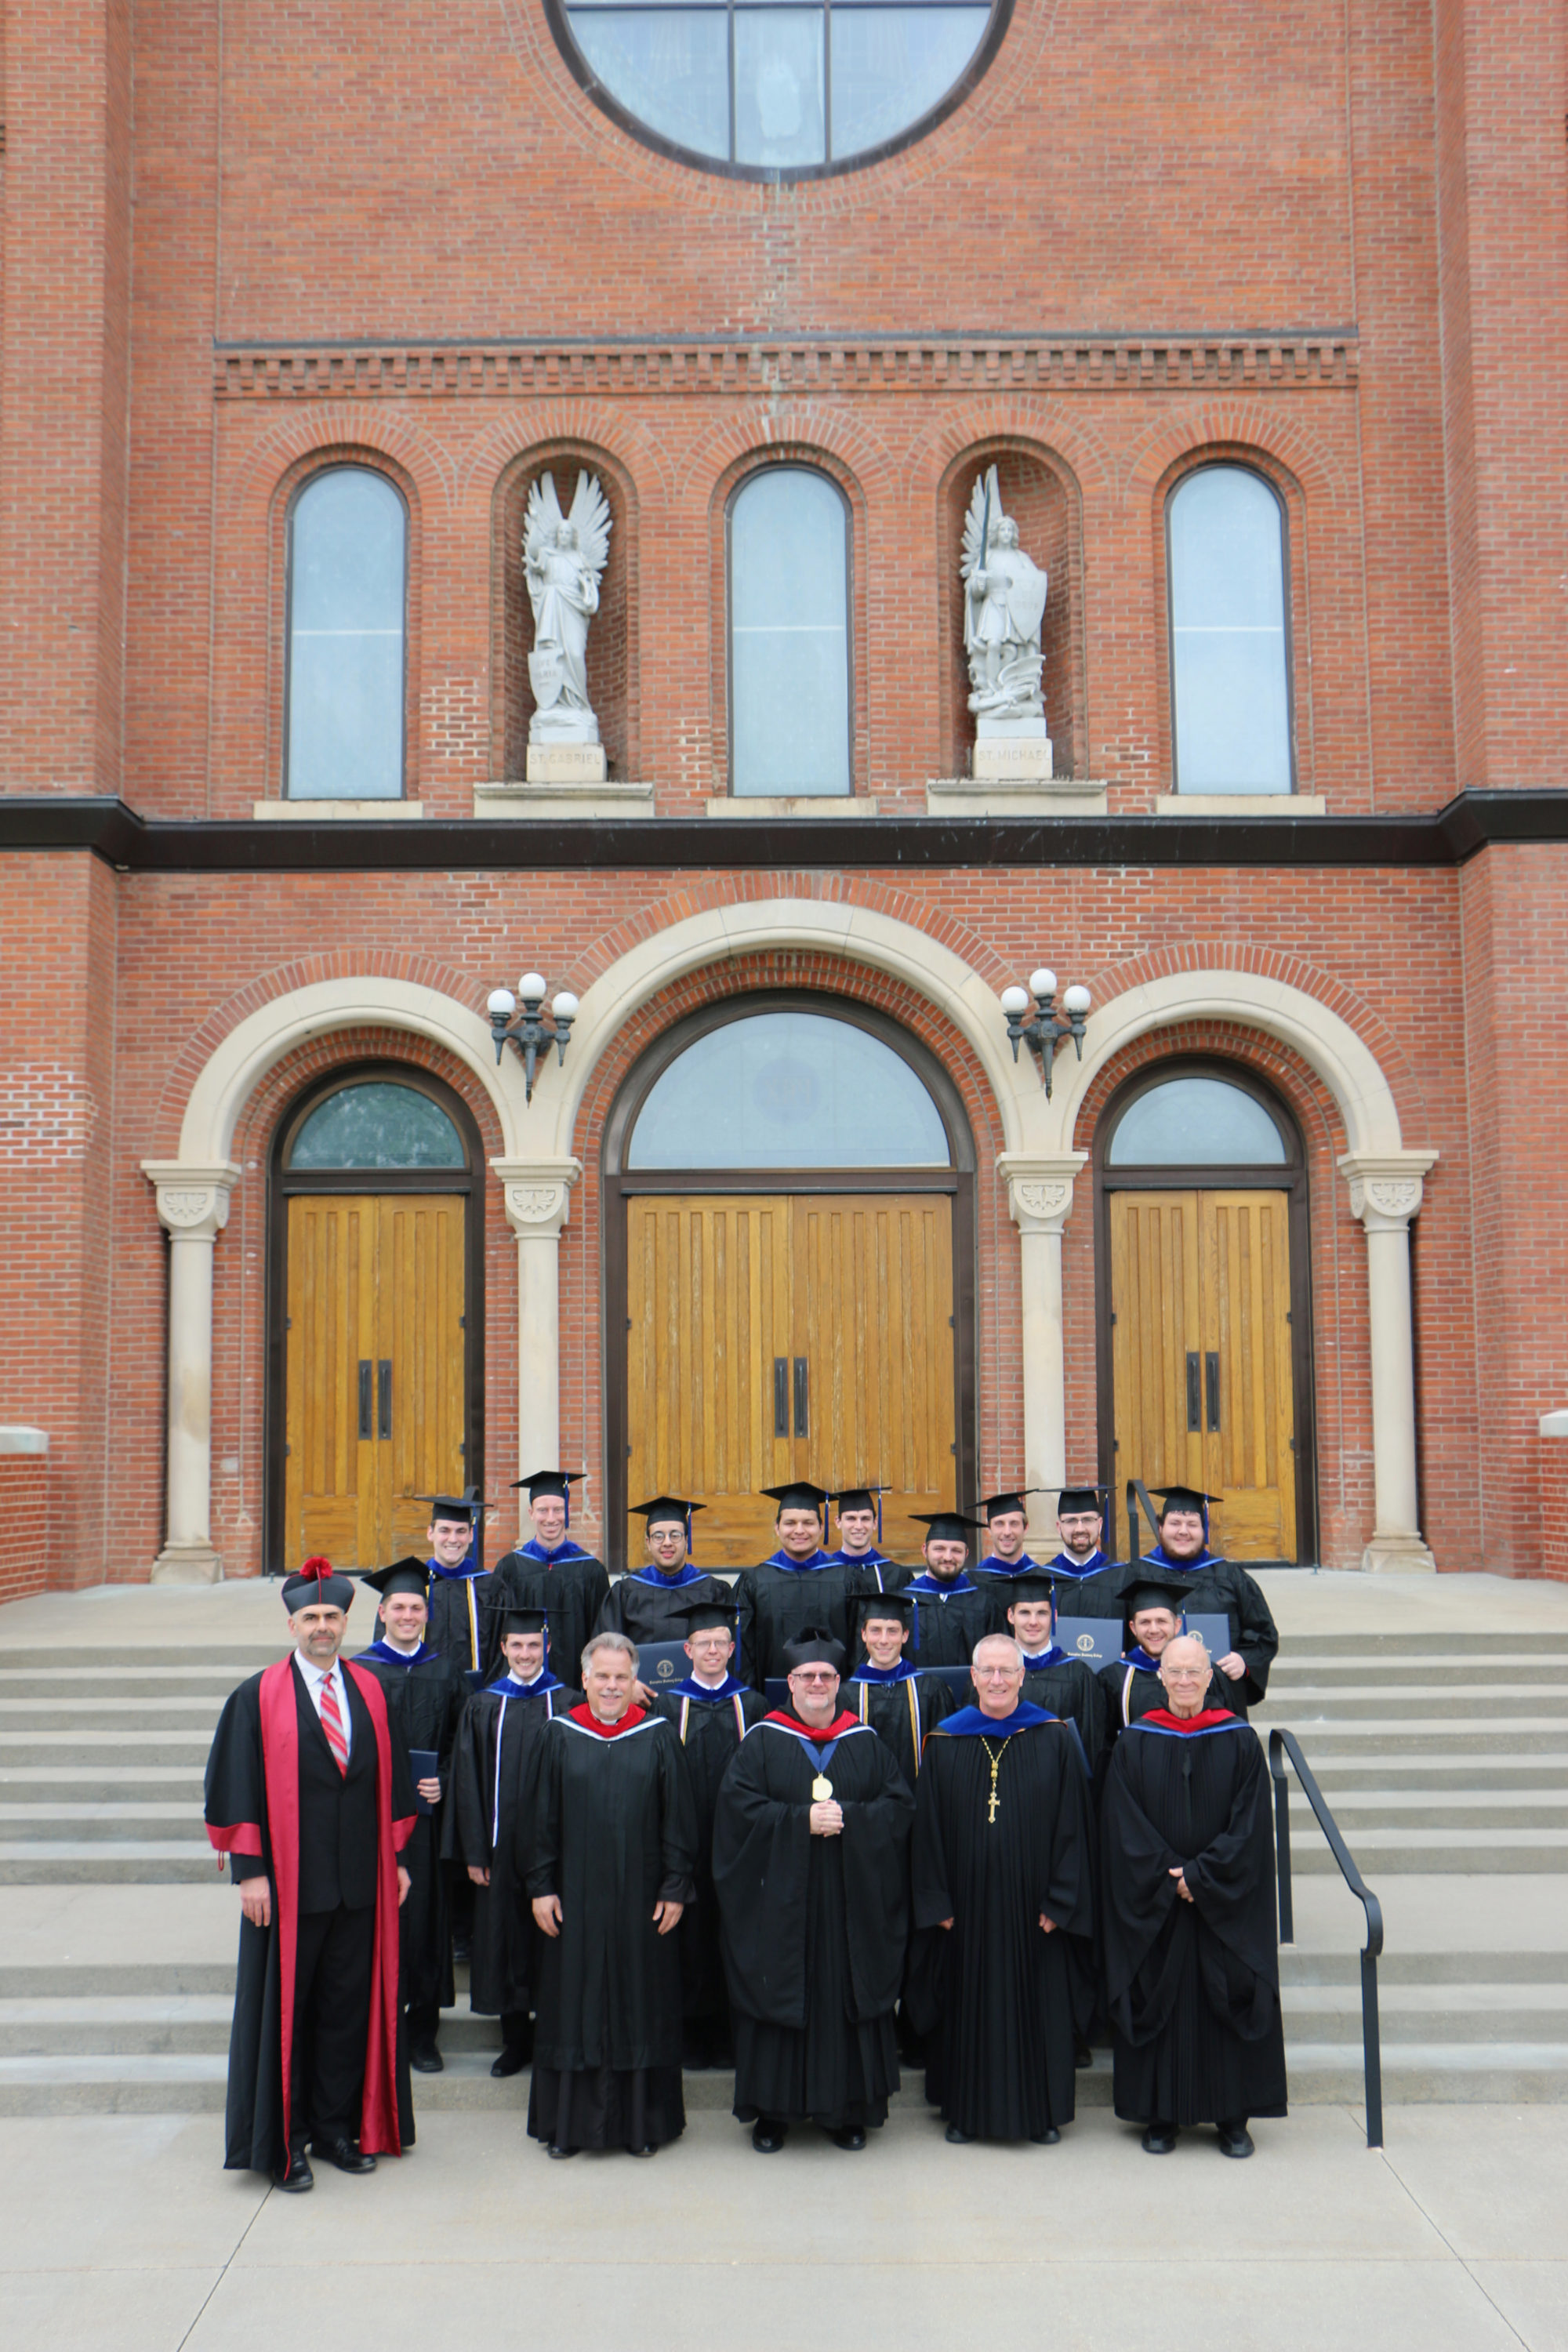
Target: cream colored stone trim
<point x="386" y="812"/>
<point x="989" y="796"/>
<point x="1555" y="1424"/>
<point x="193" y="1207"/>
<point x="1040" y="1198"/>
<point x="559" y="803"/>
<point x="17" y="1437"/>
<point x="538" y="1197"/>
<point x="1386" y="1191"/>
<point x="1241" y="805"/>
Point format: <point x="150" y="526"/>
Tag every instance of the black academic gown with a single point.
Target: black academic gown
<point x="711" y="1726"/>
<point x="489" y="1823"/>
<point x="648" y="1607"/>
<point x="1091" y="1587"/>
<point x="997" y="1578"/>
<point x="777" y="1601"/>
<point x="570" y="1585"/>
<point x="902" y="1710"/>
<point x="999" y="1997"/>
<point x="461" y="1625"/>
<point x="425" y="1701"/>
<point x="1222" y="1588"/>
<point x="814" y="1928"/>
<point x="1193" y="1989"/>
<point x="614" y="1833"/>
<point x="950" y="1618"/>
<point x="1067" y="1688"/>
<point x="888" y="1574"/>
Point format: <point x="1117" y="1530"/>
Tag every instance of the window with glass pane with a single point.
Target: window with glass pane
<point x="377" y="1125"/>
<point x="773" y="90"/>
<point x="789" y="634"/>
<point x="347" y="556"/>
<point x="1197" y="1123"/>
<point x="1227" y="634"/>
<point x="788" y="1090"/>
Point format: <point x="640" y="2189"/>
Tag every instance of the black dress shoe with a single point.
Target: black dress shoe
<point x="299" y="2176"/>
<point x="1082" y="2056"/>
<point x="768" y="2137"/>
<point x="346" y="2153"/>
<point x="1235" y="2139"/>
<point x="851" y="2138"/>
<point x="425" y="2059"/>
<point x="460" y="1953"/>
<point x="956" y="2138"/>
<point x="1159" y="2139"/>
<point x="1047" y="2139"/>
<point x="649" y="2150"/>
<point x="511" y="2062"/>
<point x="551" y="2149"/>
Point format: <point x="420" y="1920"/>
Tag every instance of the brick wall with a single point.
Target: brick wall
<point x="28" y="1561"/>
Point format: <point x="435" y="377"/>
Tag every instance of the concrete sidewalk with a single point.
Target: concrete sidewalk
<point x="125" y="2236"/>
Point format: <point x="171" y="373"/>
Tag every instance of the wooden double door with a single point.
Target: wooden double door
<point x="374" y="1372"/>
<point x="1203" y="1357"/>
<point x="778" y="1336"/>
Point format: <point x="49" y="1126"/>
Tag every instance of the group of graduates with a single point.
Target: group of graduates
<point x="813" y="1853"/>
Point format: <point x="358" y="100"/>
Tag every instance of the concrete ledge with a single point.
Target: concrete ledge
<point x="1241" y="805"/>
<point x="558" y="800"/>
<point x="1554" y="1494"/>
<point x="1009" y="796"/>
<point x="794" y="804"/>
<point x="335" y="811"/>
<point x="17" y="1437"/>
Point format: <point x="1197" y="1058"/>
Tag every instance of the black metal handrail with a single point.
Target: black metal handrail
<point x="1285" y="1743"/>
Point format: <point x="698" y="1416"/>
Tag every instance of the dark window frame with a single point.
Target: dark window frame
<point x="1292" y="1179"/>
<point x="754" y="475"/>
<point x="1218" y="465"/>
<point x="556" y="15"/>
<point x="617" y="1183"/>
<point x="297" y="496"/>
<point x="284" y="1184"/>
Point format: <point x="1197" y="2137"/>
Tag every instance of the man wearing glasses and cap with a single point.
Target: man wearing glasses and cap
<point x="551" y="1572"/>
<point x="859" y="1512"/>
<point x="798" y="1585"/>
<point x="810" y="1848"/>
<point x="651" y="1603"/>
<point x="1088" y="1582"/>
<point x="1215" y="1586"/>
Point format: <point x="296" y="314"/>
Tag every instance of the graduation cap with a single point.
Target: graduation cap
<point x="668" y="1511"/>
<point x="508" y="1618"/>
<point x="901" y="1605"/>
<point x="800" y="1495"/>
<point x="544" y="1482"/>
<point x="814" y="1646"/>
<point x="1029" y="1587"/>
<point x="408" y="1575"/>
<point x="1011" y="1501"/>
<point x="317" y="1585"/>
<point x="1186" y="1498"/>
<point x="701" y="1614"/>
<point x="466" y="1506"/>
<point x="861" y="1498"/>
<point x="1081" y="1498"/>
<point x="946" y="1526"/>
<point x="1154" y="1592"/>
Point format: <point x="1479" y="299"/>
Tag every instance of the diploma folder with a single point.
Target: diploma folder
<point x="424" y="1764"/>
<point x="661" y="1665"/>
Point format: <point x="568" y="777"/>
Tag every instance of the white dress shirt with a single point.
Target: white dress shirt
<point x="315" y="1680"/>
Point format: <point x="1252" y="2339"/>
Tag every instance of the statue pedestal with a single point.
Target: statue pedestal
<point x="566" y="763"/>
<point x="1018" y="749"/>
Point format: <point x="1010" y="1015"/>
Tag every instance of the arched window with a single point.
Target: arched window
<point x="376" y="1124"/>
<point x="1228" y="666"/>
<point x="789" y="634"/>
<point x="789" y="1091"/>
<point x="1195" y="1122"/>
<point x="347" y="561"/>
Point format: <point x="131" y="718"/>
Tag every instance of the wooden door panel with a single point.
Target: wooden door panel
<point x="420" y="1294"/>
<point x="1250" y="1461"/>
<point x="1155" y="1299"/>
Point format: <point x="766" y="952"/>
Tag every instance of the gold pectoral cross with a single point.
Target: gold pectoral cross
<point x="995" y="1757"/>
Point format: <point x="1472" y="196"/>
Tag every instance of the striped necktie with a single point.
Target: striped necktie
<point x="332" y="1725"/>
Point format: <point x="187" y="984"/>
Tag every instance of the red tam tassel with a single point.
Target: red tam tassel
<point x="319" y="1568"/>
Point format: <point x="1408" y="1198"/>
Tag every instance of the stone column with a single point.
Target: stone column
<point x="1386" y="1193"/>
<point x="538" y="1194"/>
<point x="1039" y="1197"/>
<point x="193" y="1207"/>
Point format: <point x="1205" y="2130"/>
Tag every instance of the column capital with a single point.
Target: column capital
<point x="537" y="1194"/>
<point x="192" y="1195"/>
<point x="1039" y="1190"/>
<point x="1385" y="1187"/>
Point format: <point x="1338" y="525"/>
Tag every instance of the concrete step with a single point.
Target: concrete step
<point x="1403" y="1703"/>
<point x="77" y="1862"/>
<point x="1524" y="1735"/>
<point x="146" y="2024"/>
<point x="1455" y="2016"/>
<point x="1466" y="1811"/>
<point x="117" y="1820"/>
<point x="1501" y="1673"/>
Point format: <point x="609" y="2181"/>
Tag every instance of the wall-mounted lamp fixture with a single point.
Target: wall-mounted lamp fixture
<point x="1048" y="1028"/>
<point x="528" y="1031"/>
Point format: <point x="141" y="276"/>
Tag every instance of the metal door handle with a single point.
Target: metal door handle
<point x="801" y="1400"/>
<point x="781" y="1396"/>
<point x="384" y="1397"/>
<point x="364" y="1404"/>
<point x="1211" y="1379"/>
<point x="1194" y="1401"/>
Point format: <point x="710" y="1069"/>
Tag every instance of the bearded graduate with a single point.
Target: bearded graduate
<point x="1191" y="1958"/>
<point x="712" y="1712"/>
<point x="307" y="1793"/>
<point x="953" y="1610"/>
<point x="552" y="1572"/>
<point x="1062" y="1686"/>
<point x="651" y="1603"/>
<point x="613" y="1861"/>
<point x="798" y="1585"/>
<point x="810" y="1864"/>
<point x="1217" y="1587"/>
<point x="1001" y="1975"/>
<point x="490" y="1826"/>
<point x="1088" y="1581"/>
<point x="425" y="1694"/>
<point x="457" y="1590"/>
<point x="887" y="1689"/>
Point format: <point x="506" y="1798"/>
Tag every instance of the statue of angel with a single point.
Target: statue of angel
<point x="1003" y="605"/>
<point x="563" y="559"/>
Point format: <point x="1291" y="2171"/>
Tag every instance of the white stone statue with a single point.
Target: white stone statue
<point x="563" y="559"/>
<point x="1003" y="605"/>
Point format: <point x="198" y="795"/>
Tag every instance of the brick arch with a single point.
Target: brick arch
<point x="1054" y="429"/>
<point x="1276" y="434"/>
<point x="602" y="425"/>
<point x="373" y="425"/>
<point x="811" y="430"/>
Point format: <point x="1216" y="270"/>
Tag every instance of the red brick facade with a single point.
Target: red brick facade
<point x="1330" y="244"/>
